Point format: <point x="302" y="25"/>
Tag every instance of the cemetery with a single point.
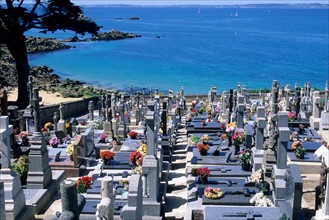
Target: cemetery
<point x="139" y="155"/>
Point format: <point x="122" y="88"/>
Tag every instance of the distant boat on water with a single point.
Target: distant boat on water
<point x="236" y="14"/>
<point x="199" y="10"/>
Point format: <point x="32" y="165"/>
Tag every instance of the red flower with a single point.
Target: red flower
<point x="202" y="172"/>
<point x="107" y="154"/>
<point x="136" y="157"/>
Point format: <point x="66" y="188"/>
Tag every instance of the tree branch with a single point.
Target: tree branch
<point x="31" y="13"/>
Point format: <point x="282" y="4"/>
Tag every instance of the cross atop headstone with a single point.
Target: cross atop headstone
<point x="150" y="130"/>
<point x="316" y="104"/>
<point x="274" y="94"/>
<point x="61" y="111"/>
<point x="240" y="111"/>
<point x="30" y="87"/>
<point x="287" y="92"/>
<point x="5" y="131"/>
<point x="55" y="119"/>
<point x="91" y="110"/>
<point x="36" y="110"/>
<point x="261" y="124"/>
<point x="151" y="96"/>
<point x="326" y="96"/>
<point x="284" y="134"/>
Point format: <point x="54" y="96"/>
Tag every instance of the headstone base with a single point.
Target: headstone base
<point x="279" y="183"/>
<point x="151" y="208"/>
<point x="258" y="159"/>
<point x="107" y="127"/>
<point x="61" y="126"/>
<point x="324" y="121"/>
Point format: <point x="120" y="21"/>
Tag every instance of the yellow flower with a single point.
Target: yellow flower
<point x="232" y="124"/>
<point x="48" y="125"/>
<point x="70" y="148"/>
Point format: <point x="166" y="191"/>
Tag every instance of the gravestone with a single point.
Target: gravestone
<point x="224" y="114"/>
<point x="107" y="124"/>
<point x="84" y="146"/>
<point x="240" y="112"/>
<point x="39" y="175"/>
<point x="315" y="118"/>
<point x="258" y="152"/>
<point x="134" y="209"/>
<point x="13" y="193"/>
<point x="230" y="106"/>
<point x="279" y="169"/>
<point x="61" y="125"/>
<point x="150" y="168"/>
<point x="114" y="122"/>
<point x="106" y="205"/>
<point x="55" y="120"/>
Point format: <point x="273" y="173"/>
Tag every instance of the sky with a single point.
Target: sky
<point x="198" y="2"/>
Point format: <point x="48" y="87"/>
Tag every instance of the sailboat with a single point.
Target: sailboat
<point x="236" y="14"/>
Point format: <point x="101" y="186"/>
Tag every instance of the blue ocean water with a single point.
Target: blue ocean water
<point x="199" y="47"/>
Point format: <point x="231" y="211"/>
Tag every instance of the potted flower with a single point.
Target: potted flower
<point x="291" y="116"/>
<point x="136" y="158"/>
<point x="133" y="135"/>
<point x="70" y="150"/>
<point x="107" y="156"/>
<point x="203" y="174"/>
<point x="229" y="131"/>
<point x="244" y="157"/>
<point x="84" y="183"/>
<point x="102" y="138"/>
<point x="142" y="149"/>
<point x="54" y="141"/>
<point x="300" y="152"/>
<point x="21" y="167"/>
<point x="203" y="148"/>
<point x="194" y="139"/>
<point x="24" y="137"/>
<point x="205" y="139"/>
<point x="257" y="178"/>
<point x="238" y="139"/>
<point x="296" y="144"/>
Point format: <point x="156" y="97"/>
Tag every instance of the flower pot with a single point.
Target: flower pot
<point x="246" y="166"/>
<point x="216" y="153"/>
<point x="25" y="142"/>
<point x="301" y="156"/>
<point x="23" y="179"/>
<point x="203" y="152"/>
<point x="264" y="187"/>
<point x="71" y="157"/>
<point x="203" y="180"/>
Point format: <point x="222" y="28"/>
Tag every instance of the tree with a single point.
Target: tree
<point x="45" y="15"/>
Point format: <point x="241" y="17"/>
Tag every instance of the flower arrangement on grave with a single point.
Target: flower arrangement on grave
<point x="297" y="144"/>
<point x="203" y="173"/>
<point x="291" y="116"/>
<point x="208" y="109"/>
<point x="24" y="137"/>
<point x="133" y="135"/>
<point x="102" y="138"/>
<point x="213" y="193"/>
<point x="203" y="148"/>
<point x="83" y="183"/>
<point x="136" y="158"/>
<point x="142" y="149"/>
<point x="205" y="138"/>
<point x="261" y="200"/>
<point x="239" y="138"/>
<point x="256" y="177"/>
<point x="244" y="157"/>
<point x="107" y="156"/>
<point x="230" y="128"/>
<point x="209" y="118"/>
<point x="48" y="125"/>
<point x="70" y="149"/>
<point x="202" y="109"/>
<point x="300" y="152"/>
<point x="21" y="167"/>
<point x="194" y="139"/>
<point x="54" y="141"/>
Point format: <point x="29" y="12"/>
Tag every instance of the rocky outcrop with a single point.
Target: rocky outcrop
<point x="38" y="44"/>
<point x="114" y="35"/>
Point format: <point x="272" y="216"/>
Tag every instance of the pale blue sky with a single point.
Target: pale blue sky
<point x="199" y="2"/>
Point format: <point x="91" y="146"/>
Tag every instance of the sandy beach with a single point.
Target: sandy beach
<point x="48" y="98"/>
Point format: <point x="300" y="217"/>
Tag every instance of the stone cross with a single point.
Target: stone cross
<point x="36" y="110"/>
<point x="240" y="111"/>
<point x="235" y="98"/>
<point x="61" y="112"/>
<point x="261" y="124"/>
<point x="230" y="100"/>
<point x="316" y="104"/>
<point x="55" y="119"/>
<point x="287" y="92"/>
<point x="170" y="99"/>
<point x="5" y="132"/>
<point x="274" y="95"/>
<point x="164" y="116"/>
<point x="298" y="102"/>
<point x="224" y="97"/>
<point x="30" y="87"/>
<point x="150" y="128"/>
<point x="239" y="89"/>
<point x="284" y="134"/>
<point x="151" y="96"/>
<point x="106" y="110"/>
<point x="91" y="110"/>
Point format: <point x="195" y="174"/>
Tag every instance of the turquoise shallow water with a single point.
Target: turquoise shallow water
<point x="199" y="47"/>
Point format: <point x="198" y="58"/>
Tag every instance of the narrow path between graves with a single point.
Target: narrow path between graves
<point x="175" y="205"/>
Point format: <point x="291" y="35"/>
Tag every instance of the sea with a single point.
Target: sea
<point x="198" y="47"/>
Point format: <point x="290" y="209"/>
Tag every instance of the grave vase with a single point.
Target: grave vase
<point x="25" y="142"/>
<point x="23" y="179"/>
<point x="229" y="138"/>
<point x="203" y="180"/>
<point x="203" y="152"/>
<point x="71" y="157"/>
<point x="301" y="156"/>
<point x="264" y="187"/>
<point x="246" y="166"/>
<point x="216" y="153"/>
